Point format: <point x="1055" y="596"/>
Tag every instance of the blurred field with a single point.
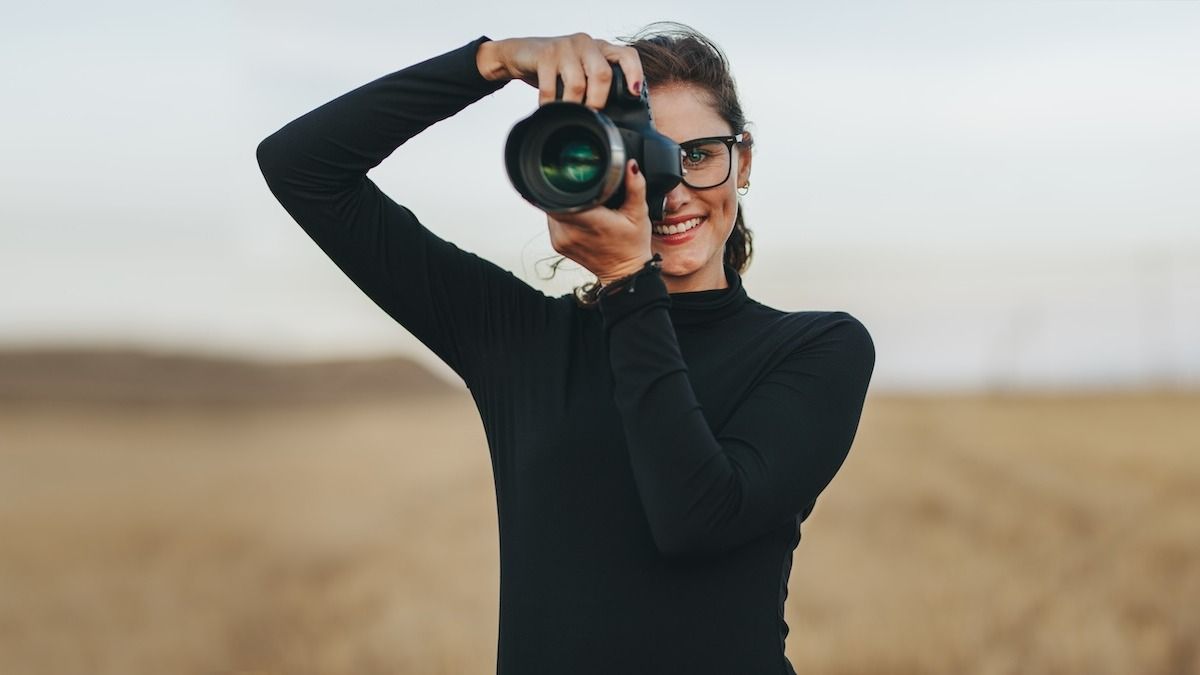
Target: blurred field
<point x="252" y="528"/>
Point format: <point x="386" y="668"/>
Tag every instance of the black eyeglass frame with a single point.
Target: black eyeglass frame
<point x="729" y="141"/>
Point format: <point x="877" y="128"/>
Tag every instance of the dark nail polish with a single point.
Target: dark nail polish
<point x="637" y="88"/>
<point x="635" y="166"/>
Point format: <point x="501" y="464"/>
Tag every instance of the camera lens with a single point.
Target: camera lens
<point x="572" y="159"/>
<point x="565" y="158"/>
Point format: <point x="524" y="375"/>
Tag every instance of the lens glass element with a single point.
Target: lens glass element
<point x="572" y="159"/>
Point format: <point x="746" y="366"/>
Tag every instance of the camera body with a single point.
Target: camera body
<point x="566" y="157"/>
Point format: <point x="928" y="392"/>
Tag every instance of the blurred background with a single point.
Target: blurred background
<point x="219" y="456"/>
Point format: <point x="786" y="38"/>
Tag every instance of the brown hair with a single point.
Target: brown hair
<point x="673" y="53"/>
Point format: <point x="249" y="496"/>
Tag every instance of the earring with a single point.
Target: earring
<point x="744" y="189"/>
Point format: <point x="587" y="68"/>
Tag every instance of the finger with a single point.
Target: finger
<point x="570" y="70"/>
<point x="631" y="65"/>
<point x="547" y="74"/>
<point x="572" y="224"/>
<point x="635" y="207"/>
<point x="599" y="77"/>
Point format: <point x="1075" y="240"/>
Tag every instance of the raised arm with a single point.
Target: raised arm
<point x="704" y="493"/>
<point x="459" y="305"/>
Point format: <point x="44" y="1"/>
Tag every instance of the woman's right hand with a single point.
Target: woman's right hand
<point x="580" y="60"/>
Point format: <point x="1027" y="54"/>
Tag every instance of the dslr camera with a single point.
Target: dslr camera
<point x="566" y="157"/>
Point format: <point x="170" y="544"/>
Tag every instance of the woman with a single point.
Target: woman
<point x="656" y="440"/>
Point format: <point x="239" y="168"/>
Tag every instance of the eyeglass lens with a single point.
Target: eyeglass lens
<point x="706" y="164"/>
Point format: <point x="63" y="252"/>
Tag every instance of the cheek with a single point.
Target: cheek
<point x="725" y="206"/>
<point x="723" y="215"/>
<point x="731" y="214"/>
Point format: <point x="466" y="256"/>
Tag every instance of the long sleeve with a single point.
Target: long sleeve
<point x="459" y="305"/>
<point x="780" y="448"/>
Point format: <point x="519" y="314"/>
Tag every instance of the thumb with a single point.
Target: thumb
<point x="635" y="193"/>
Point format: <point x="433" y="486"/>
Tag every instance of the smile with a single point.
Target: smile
<point x="678" y="228"/>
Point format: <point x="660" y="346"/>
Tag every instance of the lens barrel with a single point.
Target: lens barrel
<point x="565" y="158"/>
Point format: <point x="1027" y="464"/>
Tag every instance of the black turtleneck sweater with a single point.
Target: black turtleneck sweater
<point x="653" y="458"/>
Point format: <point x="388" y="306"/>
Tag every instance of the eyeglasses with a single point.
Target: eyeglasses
<point x="707" y="161"/>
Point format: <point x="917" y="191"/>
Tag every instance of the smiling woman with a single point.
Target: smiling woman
<point x="703" y="210"/>
<point x="655" y="450"/>
<point x="694" y="101"/>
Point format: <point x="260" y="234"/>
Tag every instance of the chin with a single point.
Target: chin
<point x="676" y="268"/>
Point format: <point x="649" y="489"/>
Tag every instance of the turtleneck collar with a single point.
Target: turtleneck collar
<point x="695" y="308"/>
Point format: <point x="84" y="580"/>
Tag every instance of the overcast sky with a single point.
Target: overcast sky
<point x="1004" y="192"/>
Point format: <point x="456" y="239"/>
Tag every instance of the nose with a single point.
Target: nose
<point x="677" y="198"/>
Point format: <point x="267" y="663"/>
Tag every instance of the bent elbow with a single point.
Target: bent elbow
<point x="268" y="156"/>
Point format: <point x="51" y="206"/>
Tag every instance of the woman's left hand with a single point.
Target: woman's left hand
<point x="610" y="243"/>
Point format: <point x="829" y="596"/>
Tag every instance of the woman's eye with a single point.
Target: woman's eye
<point x="695" y="155"/>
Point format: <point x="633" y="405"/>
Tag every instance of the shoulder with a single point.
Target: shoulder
<point x="844" y="326"/>
<point x="841" y="331"/>
<point x="812" y="323"/>
<point x="834" y="334"/>
<point x="852" y="336"/>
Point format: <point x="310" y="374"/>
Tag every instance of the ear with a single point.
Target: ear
<point x="745" y="158"/>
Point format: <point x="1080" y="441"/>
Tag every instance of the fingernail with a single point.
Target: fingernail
<point x="635" y="166"/>
<point x="637" y="88"/>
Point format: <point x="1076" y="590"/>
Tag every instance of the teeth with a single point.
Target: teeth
<point x="677" y="228"/>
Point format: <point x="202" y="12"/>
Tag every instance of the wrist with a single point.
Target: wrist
<point x="609" y="277"/>
<point x="622" y="276"/>
<point x="490" y="61"/>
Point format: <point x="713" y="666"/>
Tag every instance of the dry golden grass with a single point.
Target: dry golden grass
<point x="965" y="535"/>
